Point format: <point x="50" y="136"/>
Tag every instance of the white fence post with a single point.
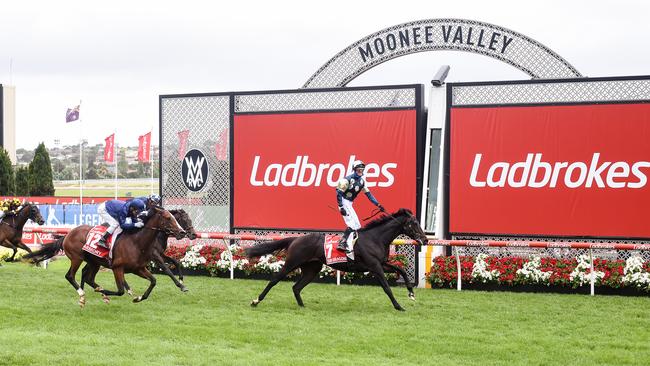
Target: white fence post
<point x="593" y="275"/>
<point x="460" y="277"/>
<point x="232" y="260"/>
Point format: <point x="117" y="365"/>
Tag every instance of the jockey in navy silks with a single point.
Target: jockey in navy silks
<point x="150" y="201"/>
<point x="347" y="190"/>
<point x="118" y="213"/>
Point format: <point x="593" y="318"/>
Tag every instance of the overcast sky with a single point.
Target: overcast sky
<point x="117" y="57"/>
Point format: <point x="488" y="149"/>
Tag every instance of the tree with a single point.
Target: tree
<point x="57" y="168"/>
<point x="6" y="174"/>
<point x="40" y="173"/>
<point x="22" y="181"/>
<point x="122" y="164"/>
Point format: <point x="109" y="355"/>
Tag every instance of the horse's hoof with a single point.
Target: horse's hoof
<point x="255" y="302"/>
<point x="8" y="260"/>
<point x="412" y="296"/>
<point x="106" y="299"/>
<point x="99" y="289"/>
<point x="184" y="289"/>
<point x="399" y="308"/>
<point x="137" y="299"/>
<point x="82" y="302"/>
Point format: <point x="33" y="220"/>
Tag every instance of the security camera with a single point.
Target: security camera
<point x="440" y="76"/>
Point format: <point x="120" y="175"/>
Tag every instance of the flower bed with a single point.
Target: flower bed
<point x="215" y="260"/>
<point x="633" y="273"/>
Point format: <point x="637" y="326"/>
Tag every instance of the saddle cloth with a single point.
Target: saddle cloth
<point x="93" y="237"/>
<point x="332" y="254"/>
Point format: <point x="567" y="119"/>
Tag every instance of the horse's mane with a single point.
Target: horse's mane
<point x="382" y="220"/>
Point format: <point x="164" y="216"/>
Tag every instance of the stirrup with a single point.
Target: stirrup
<point x="103" y="243"/>
<point x="350" y="255"/>
<point x="342" y="246"/>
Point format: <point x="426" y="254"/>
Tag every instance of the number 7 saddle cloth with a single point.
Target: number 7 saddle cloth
<point x="332" y="254"/>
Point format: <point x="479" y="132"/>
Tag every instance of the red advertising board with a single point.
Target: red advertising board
<point x="286" y="166"/>
<point x="571" y="170"/>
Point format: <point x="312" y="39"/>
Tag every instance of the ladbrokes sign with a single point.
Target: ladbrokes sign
<point x="287" y="165"/>
<point x="551" y="170"/>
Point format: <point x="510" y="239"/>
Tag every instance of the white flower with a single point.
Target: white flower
<point x="326" y="271"/>
<point x="582" y="272"/>
<point x="480" y="271"/>
<point x="634" y="273"/>
<point x="192" y="258"/>
<point x="531" y="272"/>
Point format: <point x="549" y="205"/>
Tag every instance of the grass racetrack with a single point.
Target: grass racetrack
<point x="213" y="324"/>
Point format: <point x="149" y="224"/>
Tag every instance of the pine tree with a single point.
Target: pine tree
<point x="6" y="174"/>
<point x="40" y="173"/>
<point x="22" y="181"/>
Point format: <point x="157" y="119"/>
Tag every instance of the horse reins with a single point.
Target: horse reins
<point x="13" y="217"/>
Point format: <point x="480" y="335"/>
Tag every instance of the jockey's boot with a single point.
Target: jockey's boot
<point x="103" y="242"/>
<point x="343" y="242"/>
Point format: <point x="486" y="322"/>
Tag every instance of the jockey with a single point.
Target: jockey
<point x="9" y="207"/>
<point x="150" y="201"/>
<point x="347" y="190"/>
<point x="119" y="213"/>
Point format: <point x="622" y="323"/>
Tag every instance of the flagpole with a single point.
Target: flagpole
<point x="115" y="161"/>
<point x="151" y="157"/>
<point x="81" y="186"/>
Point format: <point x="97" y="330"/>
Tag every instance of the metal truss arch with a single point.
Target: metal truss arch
<point x="513" y="48"/>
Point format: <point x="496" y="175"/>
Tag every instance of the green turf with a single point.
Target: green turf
<point x="92" y="192"/>
<point x="106" y="188"/>
<point x="213" y="324"/>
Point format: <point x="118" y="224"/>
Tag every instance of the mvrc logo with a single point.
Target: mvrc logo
<point x="194" y="170"/>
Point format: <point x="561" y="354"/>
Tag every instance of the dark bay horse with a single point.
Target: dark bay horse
<point x="11" y="228"/>
<point x="157" y="256"/>
<point x="131" y="253"/>
<point x="370" y="253"/>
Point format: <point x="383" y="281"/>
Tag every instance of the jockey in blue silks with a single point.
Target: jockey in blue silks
<point x="347" y="190"/>
<point x="119" y="213"/>
<point x="150" y="201"/>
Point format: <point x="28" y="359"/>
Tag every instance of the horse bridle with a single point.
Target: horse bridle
<point x="14" y="216"/>
<point x="166" y="231"/>
<point x="410" y="219"/>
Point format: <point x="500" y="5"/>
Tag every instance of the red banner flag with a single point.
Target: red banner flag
<point x="144" y="144"/>
<point x="182" y="143"/>
<point x="108" y="149"/>
<point x="221" y="148"/>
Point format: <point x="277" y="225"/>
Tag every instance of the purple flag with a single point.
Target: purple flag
<point x="72" y="114"/>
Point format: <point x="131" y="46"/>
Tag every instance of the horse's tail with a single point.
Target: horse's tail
<point x="47" y="251"/>
<point x="268" y="248"/>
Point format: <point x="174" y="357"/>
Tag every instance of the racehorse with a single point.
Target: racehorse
<point x="131" y="253"/>
<point x="370" y="253"/>
<point x="11" y="228"/>
<point x="158" y="255"/>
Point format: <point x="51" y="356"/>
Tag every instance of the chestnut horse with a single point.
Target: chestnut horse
<point x="131" y="253"/>
<point x="370" y="252"/>
<point x="158" y="256"/>
<point x="11" y="228"/>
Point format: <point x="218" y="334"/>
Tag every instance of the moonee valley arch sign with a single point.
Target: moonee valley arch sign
<point x="522" y="52"/>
